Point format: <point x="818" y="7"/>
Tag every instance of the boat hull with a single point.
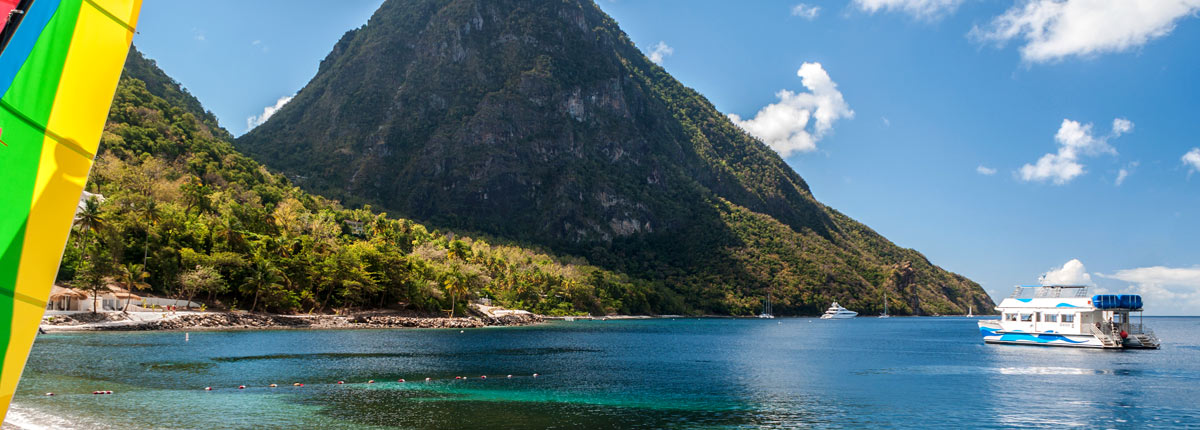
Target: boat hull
<point x="840" y="316"/>
<point x="995" y="335"/>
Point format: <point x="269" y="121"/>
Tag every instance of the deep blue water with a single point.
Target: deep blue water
<point x="685" y="373"/>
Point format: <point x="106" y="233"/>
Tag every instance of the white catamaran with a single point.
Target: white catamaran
<point x="1064" y="315"/>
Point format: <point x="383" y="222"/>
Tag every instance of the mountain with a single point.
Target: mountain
<point x="189" y="216"/>
<point x="540" y="121"/>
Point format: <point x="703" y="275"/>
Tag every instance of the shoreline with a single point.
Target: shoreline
<point x="220" y="321"/>
<point x="240" y="320"/>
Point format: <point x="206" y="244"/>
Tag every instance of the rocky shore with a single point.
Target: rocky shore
<point x="196" y="321"/>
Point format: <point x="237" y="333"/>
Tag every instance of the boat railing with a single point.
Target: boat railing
<point x="1104" y="332"/>
<point x="1139" y="329"/>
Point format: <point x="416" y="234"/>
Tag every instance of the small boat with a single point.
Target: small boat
<point x="837" y="312"/>
<point x="1064" y="315"/>
<point x="885" y="313"/>
<point x="766" y="313"/>
<point x="970" y="312"/>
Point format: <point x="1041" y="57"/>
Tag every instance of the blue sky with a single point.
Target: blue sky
<point x="924" y="114"/>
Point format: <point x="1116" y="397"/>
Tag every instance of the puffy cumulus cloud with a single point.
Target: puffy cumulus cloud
<point x="1121" y="126"/>
<point x="1165" y="290"/>
<point x="660" y="51"/>
<point x="257" y="120"/>
<point x="799" y="120"/>
<point x="1075" y="140"/>
<point x="1071" y="273"/>
<point x="985" y="170"/>
<point x="806" y="11"/>
<point x="924" y="9"/>
<point x="1192" y="160"/>
<point x="1055" y="29"/>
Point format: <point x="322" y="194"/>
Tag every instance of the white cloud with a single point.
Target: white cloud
<point x="1192" y="160"/>
<point x="257" y="120"/>
<point x="1124" y="173"/>
<point x="925" y="9"/>
<point x="806" y="11"/>
<point x="1071" y="273"/>
<point x="1121" y="175"/>
<point x="1055" y="29"/>
<point x="660" y="51"/>
<point x="984" y="170"/>
<point x="198" y="35"/>
<point x="785" y="126"/>
<point x="1121" y="126"/>
<point x="1075" y="140"/>
<point x="887" y="122"/>
<point x="1165" y="290"/>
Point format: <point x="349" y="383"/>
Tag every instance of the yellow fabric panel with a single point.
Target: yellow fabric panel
<point x="85" y="93"/>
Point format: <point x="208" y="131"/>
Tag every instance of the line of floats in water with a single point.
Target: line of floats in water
<point x="300" y="384"/>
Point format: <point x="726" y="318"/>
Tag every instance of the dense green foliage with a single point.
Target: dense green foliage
<point x="186" y="215"/>
<point x="541" y="121"/>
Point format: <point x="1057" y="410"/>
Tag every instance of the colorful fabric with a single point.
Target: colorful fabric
<point x="58" y="75"/>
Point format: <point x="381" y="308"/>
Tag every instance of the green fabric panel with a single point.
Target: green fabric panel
<point x="32" y="93"/>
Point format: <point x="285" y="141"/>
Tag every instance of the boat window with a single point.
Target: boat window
<point x="1051" y="317"/>
<point x="1026" y="317"/>
<point x="1010" y="317"/>
<point x="1068" y="318"/>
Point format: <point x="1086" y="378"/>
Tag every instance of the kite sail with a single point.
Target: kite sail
<point x="59" y="66"/>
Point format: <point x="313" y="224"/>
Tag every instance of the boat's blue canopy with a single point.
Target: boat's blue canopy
<point x="1117" y="301"/>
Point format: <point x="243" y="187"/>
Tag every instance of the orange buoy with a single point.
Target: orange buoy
<point x="241" y="387"/>
<point x="483" y="377"/>
<point x="400" y="380"/>
<point x="297" y="384"/>
<point x="371" y="381"/>
<point x="341" y="382"/>
<point x="272" y="385"/>
<point x="510" y="376"/>
<point x="207" y="388"/>
<point x="534" y="375"/>
<point x="428" y="379"/>
<point x="49" y="394"/>
<point x="457" y="377"/>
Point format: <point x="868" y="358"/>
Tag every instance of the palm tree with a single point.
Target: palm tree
<point x="262" y="276"/>
<point x="149" y="215"/>
<point x="131" y="277"/>
<point x="457" y="287"/>
<point x="89" y="219"/>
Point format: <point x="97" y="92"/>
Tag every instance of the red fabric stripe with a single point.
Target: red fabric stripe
<point x="6" y="7"/>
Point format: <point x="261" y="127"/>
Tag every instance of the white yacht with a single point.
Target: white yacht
<point x="1064" y="315"/>
<point x="837" y="312"/>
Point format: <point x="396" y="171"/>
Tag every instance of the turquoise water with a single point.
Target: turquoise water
<point x="685" y="373"/>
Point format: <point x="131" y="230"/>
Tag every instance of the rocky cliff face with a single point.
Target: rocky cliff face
<point x="539" y="121"/>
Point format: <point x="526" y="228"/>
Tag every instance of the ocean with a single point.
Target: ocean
<point x="931" y="372"/>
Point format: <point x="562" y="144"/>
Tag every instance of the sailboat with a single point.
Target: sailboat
<point x="970" y="312"/>
<point x="885" y="312"/>
<point x="766" y="313"/>
<point x="59" y="65"/>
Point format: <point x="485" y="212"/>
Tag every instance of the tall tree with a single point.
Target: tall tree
<point x="132" y="277"/>
<point x="263" y="276"/>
